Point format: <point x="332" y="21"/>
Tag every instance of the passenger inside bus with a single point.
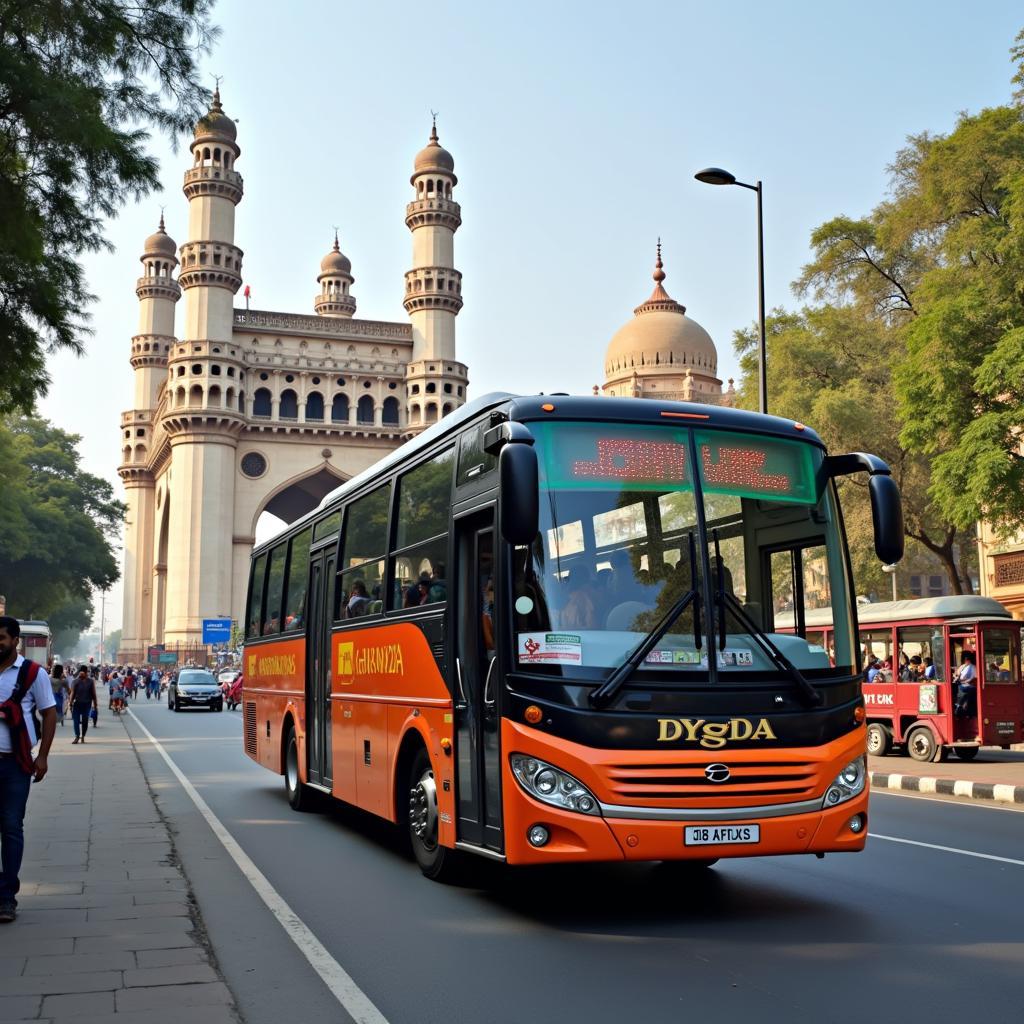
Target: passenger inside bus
<point x="967" y="690"/>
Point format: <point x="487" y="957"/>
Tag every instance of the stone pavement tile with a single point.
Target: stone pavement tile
<point x="170" y="996"/>
<point x="113" y="929"/>
<point x="173" y="940"/>
<point x="29" y="913"/>
<point x="170" y="957"/>
<point x="35" y="947"/>
<point x="177" y="974"/>
<point x="82" y="901"/>
<point x="75" y="1006"/>
<point x="79" y="963"/>
<point x="196" y="1015"/>
<point x="56" y="984"/>
<point x="19" y="1007"/>
<point x="146" y="885"/>
<point x="174" y="896"/>
<point x="148" y="910"/>
<point x="57" y="888"/>
<point x="11" y="967"/>
<point x="148" y="873"/>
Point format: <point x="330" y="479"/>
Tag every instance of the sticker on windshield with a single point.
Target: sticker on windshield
<point x="550" y="648"/>
<point x="659" y="658"/>
<point x="688" y="657"/>
<point x="735" y="657"/>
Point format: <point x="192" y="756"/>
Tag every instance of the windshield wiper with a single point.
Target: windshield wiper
<point x="605" y="693"/>
<point x="810" y="695"/>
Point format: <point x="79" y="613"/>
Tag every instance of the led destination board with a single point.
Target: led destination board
<point x="657" y="458"/>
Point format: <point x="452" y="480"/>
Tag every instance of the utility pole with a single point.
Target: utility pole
<point x="103" y="614"/>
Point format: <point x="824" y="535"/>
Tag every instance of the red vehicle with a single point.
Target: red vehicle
<point x="911" y="695"/>
<point x="233" y="694"/>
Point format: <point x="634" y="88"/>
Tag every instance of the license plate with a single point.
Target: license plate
<point x="721" y="835"/>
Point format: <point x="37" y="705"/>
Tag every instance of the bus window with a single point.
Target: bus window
<point x="327" y="527"/>
<point x="254" y="612"/>
<point x="275" y="591"/>
<point x="298" y="576"/>
<point x="800" y="583"/>
<point x="879" y="643"/>
<point x="421" y="534"/>
<point x="919" y="642"/>
<point x="474" y="462"/>
<point x="1001" y="658"/>
<point x="362" y="555"/>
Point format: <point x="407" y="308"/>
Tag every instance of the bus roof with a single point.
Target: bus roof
<point x="568" y="407"/>
<point x="953" y="606"/>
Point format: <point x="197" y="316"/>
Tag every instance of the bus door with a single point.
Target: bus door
<point x="319" y="606"/>
<point x="965" y="727"/>
<point x="475" y="685"/>
<point x="1001" y="690"/>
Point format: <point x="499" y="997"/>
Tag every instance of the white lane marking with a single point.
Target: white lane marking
<point x="352" y="998"/>
<point x="984" y="805"/>
<point x="949" y="849"/>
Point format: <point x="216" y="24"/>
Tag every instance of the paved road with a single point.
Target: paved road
<point x="900" y="932"/>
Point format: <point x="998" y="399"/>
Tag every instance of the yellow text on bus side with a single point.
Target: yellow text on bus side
<point x="271" y="664"/>
<point x="377" y="659"/>
<point x="713" y="734"/>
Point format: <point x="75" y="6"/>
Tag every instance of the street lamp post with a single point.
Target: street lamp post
<point x="891" y="570"/>
<point x="718" y="176"/>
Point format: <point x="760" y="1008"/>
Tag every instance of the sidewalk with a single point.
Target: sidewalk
<point x="994" y="776"/>
<point x="107" y="932"/>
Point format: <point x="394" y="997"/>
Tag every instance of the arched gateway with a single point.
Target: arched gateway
<point x="251" y="411"/>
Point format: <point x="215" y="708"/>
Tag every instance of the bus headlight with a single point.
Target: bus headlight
<point x="847" y="784"/>
<point x="552" y="786"/>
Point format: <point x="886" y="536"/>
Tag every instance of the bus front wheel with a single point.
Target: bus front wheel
<point x="921" y="744"/>
<point x="435" y="860"/>
<point x="300" y="797"/>
<point x="879" y="739"/>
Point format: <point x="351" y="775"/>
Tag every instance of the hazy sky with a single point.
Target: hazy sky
<point x="576" y="128"/>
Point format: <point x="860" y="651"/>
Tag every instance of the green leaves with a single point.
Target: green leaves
<point x="79" y="81"/>
<point x="60" y="523"/>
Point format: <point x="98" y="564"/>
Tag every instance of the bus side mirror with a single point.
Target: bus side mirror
<point x="886" y="517"/>
<point x="519" y="509"/>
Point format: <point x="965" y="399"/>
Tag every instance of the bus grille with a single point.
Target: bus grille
<point x="250" y="728"/>
<point x="771" y="781"/>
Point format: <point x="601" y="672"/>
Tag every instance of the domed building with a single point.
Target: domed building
<point x="239" y="412"/>
<point x="663" y="353"/>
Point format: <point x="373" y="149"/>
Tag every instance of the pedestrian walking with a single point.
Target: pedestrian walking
<point x="61" y="690"/>
<point x="83" y="703"/>
<point x="24" y="689"/>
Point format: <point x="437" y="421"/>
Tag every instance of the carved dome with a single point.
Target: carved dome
<point x="434" y="158"/>
<point x="336" y="262"/>
<point x="660" y="337"/>
<point x="215" y="123"/>
<point x="160" y="243"/>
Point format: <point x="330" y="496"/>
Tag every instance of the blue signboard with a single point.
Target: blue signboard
<point x="216" y="631"/>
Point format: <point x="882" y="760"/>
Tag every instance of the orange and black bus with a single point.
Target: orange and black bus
<point x="543" y="631"/>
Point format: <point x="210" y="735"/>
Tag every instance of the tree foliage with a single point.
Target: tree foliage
<point x="60" y="524"/>
<point x="914" y="345"/>
<point x="80" y="81"/>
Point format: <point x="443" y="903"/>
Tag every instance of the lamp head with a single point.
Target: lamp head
<point x="715" y="176"/>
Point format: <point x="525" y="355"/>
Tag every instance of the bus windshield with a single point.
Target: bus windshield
<point x="628" y="528"/>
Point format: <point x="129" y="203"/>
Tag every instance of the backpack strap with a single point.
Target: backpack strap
<point x="27" y="673"/>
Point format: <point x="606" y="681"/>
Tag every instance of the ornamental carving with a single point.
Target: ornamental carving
<point x="297" y="323"/>
<point x="1009" y="569"/>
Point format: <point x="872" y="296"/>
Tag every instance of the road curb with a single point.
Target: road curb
<point x="991" y="792"/>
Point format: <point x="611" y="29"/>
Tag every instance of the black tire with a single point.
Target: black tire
<point x="921" y="744"/>
<point x="966" y="753"/>
<point x="300" y="796"/>
<point x="879" y="739"/>
<point x="435" y="861"/>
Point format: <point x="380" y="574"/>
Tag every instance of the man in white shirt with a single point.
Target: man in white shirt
<point x="17" y="730"/>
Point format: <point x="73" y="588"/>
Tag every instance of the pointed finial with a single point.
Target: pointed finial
<point x="162" y="229"/>
<point x="216" y="93"/>
<point x="433" y="127"/>
<point x="336" y="249"/>
<point x="659" y="272"/>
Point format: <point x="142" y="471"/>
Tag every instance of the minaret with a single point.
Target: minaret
<point x="435" y="380"/>
<point x="336" y="280"/>
<point x="205" y="411"/>
<point x="158" y="292"/>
